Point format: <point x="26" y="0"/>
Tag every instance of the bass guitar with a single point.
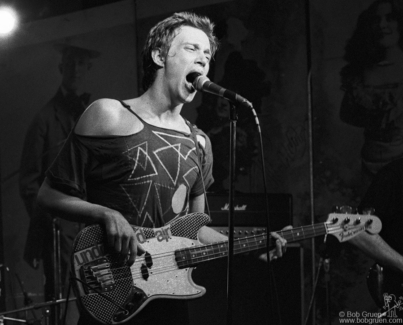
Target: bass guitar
<point x="112" y="292"/>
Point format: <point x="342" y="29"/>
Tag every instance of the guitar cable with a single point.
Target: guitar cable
<point x="67" y="303"/>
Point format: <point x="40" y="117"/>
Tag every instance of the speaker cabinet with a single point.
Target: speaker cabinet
<point x="250" y="209"/>
<point x="253" y="302"/>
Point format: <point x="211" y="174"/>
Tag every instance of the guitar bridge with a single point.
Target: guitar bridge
<point x="97" y="276"/>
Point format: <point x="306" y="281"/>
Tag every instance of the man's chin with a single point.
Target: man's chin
<point x="189" y="98"/>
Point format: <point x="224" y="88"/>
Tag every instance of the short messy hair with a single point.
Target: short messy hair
<point x="162" y="34"/>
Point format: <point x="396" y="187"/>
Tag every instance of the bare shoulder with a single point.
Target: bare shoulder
<point x="106" y="117"/>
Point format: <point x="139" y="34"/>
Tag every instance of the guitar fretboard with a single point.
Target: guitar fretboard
<point x="190" y="256"/>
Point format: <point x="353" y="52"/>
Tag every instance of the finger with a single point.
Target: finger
<point x="118" y="244"/>
<point x="140" y="250"/>
<point x="111" y="239"/>
<point x="283" y="244"/>
<point x="279" y="249"/>
<point x="275" y="235"/>
<point x="263" y="257"/>
<point x="273" y="255"/>
<point x="125" y="245"/>
<point x="133" y="252"/>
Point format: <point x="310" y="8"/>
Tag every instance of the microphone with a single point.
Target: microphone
<point x="202" y="83"/>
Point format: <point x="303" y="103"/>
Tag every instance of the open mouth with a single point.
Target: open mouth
<point x="190" y="78"/>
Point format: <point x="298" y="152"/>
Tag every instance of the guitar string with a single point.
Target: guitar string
<point x="282" y="233"/>
<point x="242" y="244"/>
<point x="209" y="247"/>
<point x="248" y="240"/>
<point x="138" y="274"/>
<point x="174" y="265"/>
<point x="211" y="254"/>
<point x="208" y="253"/>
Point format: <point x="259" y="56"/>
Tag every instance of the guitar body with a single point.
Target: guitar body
<point x="112" y="292"/>
<point x="382" y="281"/>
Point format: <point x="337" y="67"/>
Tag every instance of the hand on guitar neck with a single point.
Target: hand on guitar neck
<point x="281" y="246"/>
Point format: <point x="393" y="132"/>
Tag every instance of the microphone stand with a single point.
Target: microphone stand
<point x="27" y="300"/>
<point x="323" y="267"/>
<point x="233" y="119"/>
<point x="202" y="83"/>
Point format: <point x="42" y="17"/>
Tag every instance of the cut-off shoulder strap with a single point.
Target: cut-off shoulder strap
<point x="189" y="124"/>
<point x="130" y="110"/>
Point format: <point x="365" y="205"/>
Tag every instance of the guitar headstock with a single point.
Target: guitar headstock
<point x="345" y="226"/>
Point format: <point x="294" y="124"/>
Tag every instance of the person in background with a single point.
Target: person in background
<point x="44" y="139"/>
<point x="373" y="83"/>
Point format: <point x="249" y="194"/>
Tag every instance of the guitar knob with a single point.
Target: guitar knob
<point x="346" y="209"/>
<point x="347" y="220"/>
<point x="137" y="296"/>
<point x="368" y="211"/>
<point x="357" y="222"/>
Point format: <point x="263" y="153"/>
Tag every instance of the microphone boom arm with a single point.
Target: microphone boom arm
<point x="202" y="83"/>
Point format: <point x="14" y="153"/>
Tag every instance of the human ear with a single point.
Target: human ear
<point x="157" y="57"/>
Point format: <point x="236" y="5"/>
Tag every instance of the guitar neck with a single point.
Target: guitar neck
<point x="191" y="256"/>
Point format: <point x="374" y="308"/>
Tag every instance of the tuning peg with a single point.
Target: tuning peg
<point x="370" y="221"/>
<point x="368" y="211"/>
<point x="346" y="209"/>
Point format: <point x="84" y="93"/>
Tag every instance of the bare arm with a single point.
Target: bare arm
<point x="376" y="248"/>
<point x="119" y="232"/>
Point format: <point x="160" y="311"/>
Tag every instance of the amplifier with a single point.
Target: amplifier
<point x="250" y="209"/>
